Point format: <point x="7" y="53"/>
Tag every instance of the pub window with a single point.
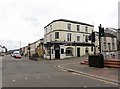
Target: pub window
<point x="48" y="52"/>
<point x="69" y="51"/>
<point x="92" y="49"/>
<point x="62" y="51"/>
<point x="52" y="51"/>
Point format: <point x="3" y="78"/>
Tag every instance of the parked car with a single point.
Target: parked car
<point x="1" y="54"/>
<point x="11" y="54"/>
<point x="17" y="55"/>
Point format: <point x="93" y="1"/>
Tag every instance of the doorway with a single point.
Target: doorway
<point x="57" y="54"/>
<point x="78" y="52"/>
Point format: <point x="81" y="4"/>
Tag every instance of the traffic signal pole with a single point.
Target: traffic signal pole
<point x="100" y="38"/>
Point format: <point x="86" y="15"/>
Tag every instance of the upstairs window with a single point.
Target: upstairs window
<point x="104" y="46"/>
<point x="50" y="37"/>
<point x="78" y="28"/>
<point x="69" y="27"/>
<point x="69" y="37"/>
<point x="92" y="49"/>
<point x="86" y="28"/>
<point x="46" y="30"/>
<point x="50" y="27"/>
<point x="86" y="38"/>
<point x="78" y="38"/>
<point x="56" y="35"/>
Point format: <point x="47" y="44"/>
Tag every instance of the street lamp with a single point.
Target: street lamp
<point x="50" y="49"/>
<point x="75" y="48"/>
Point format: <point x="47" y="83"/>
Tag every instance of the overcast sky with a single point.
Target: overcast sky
<point x="24" y="20"/>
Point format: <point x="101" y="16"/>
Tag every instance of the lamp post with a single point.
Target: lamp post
<point x="20" y="48"/>
<point x="50" y="50"/>
<point x="75" y="48"/>
<point x="29" y="50"/>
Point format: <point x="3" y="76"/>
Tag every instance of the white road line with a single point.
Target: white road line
<point x="48" y="76"/>
<point x="37" y="77"/>
<point x="26" y="78"/>
<point x="85" y="86"/>
<point x="13" y="80"/>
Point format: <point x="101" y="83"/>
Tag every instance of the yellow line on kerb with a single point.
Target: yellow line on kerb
<point x="105" y="81"/>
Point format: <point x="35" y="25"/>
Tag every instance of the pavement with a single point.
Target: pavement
<point x="106" y="74"/>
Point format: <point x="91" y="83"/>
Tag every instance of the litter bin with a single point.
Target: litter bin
<point x="96" y="61"/>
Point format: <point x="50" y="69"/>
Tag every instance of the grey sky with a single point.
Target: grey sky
<point x="24" y="20"/>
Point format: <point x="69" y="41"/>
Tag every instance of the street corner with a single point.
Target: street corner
<point x="102" y="74"/>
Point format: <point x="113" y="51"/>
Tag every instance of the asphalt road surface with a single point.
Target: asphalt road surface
<point x="28" y="73"/>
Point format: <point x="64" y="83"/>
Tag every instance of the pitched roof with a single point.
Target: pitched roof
<point x="65" y="20"/>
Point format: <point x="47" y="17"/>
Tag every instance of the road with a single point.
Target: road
<point x="28" y="73"/>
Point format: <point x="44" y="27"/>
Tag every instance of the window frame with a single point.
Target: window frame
<point x="69" y="52"/>
<point x="78" y="37"/>
<point x="86" y="28"/>
<point x="56" y="35"/>
<point x="78" y="28"/>
<point x="62" y="51"/>
<point x="86" y="38"/>
<point x="50" y="27"/>
<point x="69" y="35"/>
<point x="69" y="27"/>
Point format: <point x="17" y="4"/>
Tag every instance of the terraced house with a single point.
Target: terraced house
<point x="65" y="38"/>
<point x="36" y="48"/>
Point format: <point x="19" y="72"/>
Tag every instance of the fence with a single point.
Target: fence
<point x="111" y="55"/>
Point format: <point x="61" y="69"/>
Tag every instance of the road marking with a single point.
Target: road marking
<point x="62" y="68"/>
<point x="26" y="78"/>
<point x="13" y="80"/>
<point x="96" y="79"/>
<point x="37" y="77"/>
<point x="97" y="85"/>
<point x="85" y="86"/>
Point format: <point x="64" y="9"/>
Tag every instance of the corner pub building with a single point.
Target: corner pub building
<point x="65" y="38"/>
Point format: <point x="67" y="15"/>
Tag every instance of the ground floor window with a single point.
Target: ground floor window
<point x="62" y="51"/>
<point x="92" y="49"/>
<point x="69" y="51"/>
<point x="48" y="53"/>
<point x="86" y="50"/>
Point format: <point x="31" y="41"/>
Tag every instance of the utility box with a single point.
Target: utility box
<point x="96" y="61"/>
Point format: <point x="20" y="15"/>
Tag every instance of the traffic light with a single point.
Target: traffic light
<point x="101" y="31"/>
<point x="93" y="37"/>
